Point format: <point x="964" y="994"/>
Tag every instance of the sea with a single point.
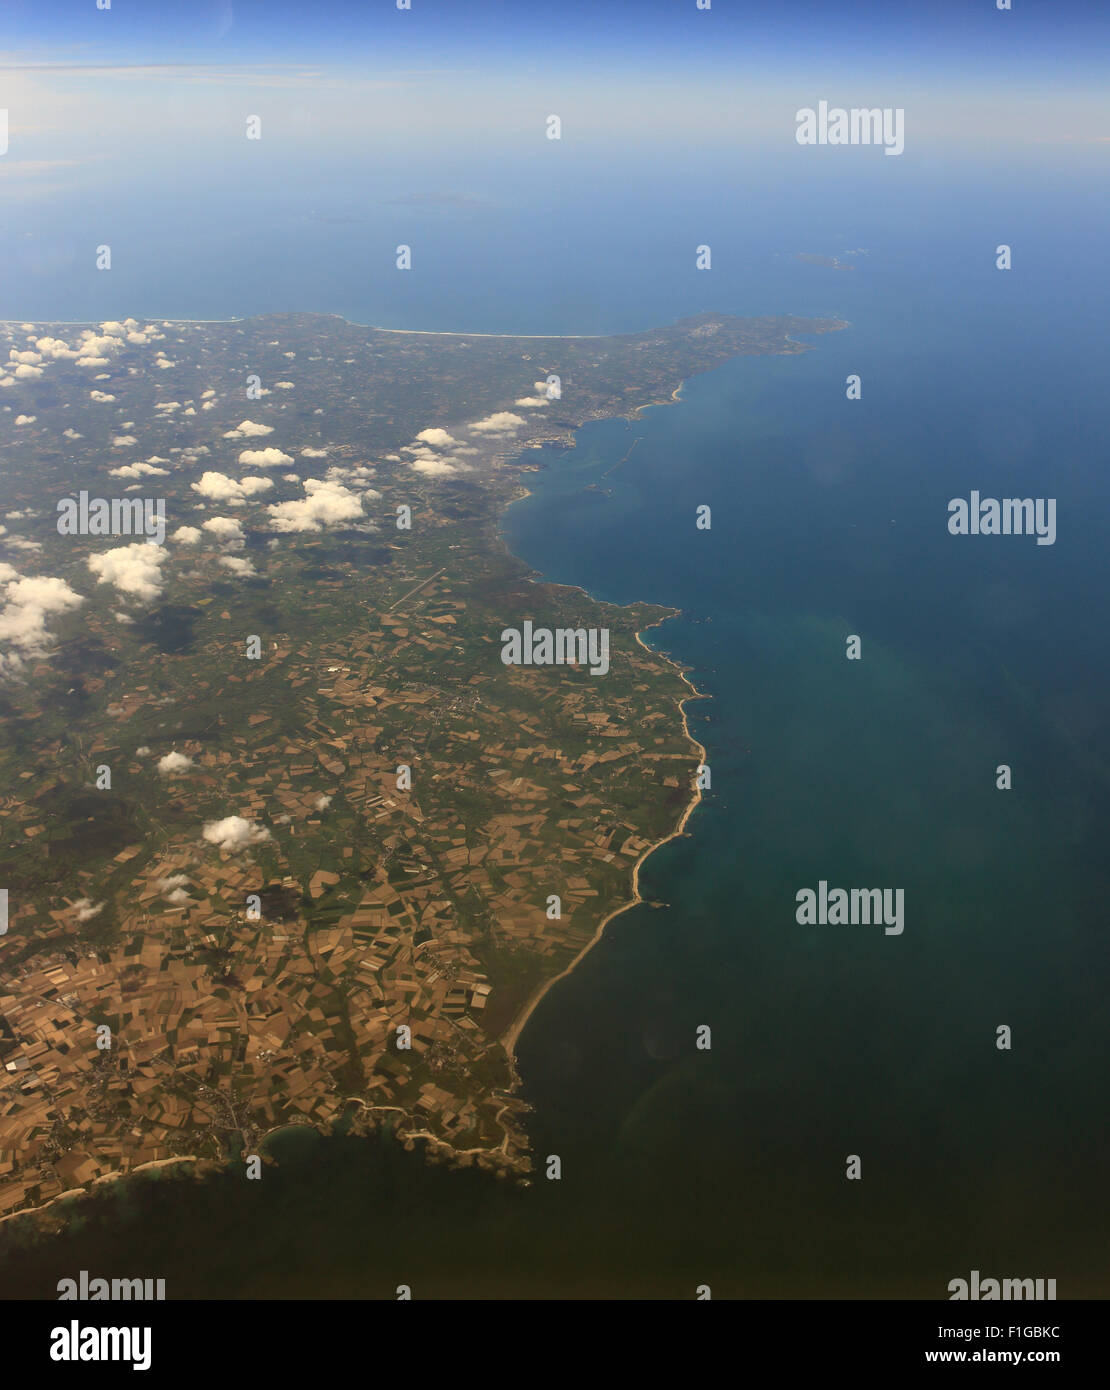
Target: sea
<point x="833" y="1048"/>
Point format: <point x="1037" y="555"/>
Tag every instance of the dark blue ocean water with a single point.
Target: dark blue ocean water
<point x="829" y="518"/>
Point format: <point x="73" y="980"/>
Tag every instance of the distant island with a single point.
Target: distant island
<point x="285" y="839"/>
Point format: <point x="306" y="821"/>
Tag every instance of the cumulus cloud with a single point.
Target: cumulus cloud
<point x="138" y="470"/>
<point x="224" y="528"/>
<point x="433" y="467"/>
<point x="56" y="348"/>
<point x="86" y="909"/>
<point x="248" y="429"/>
<point x="437" y="438"/>
<point x="325" y="504"/>
<point x="27" y="605"/>
<point x="186" y="535"/>
<point x="174" y="762"/>
<point x="135" y="570"/>
<point x="314" y="453"/>
<point x="531" y="401"/>
<point x="360" y="475"/>
<point x="95" y="395"/>
<point x="218" y="487"/>
<point x="97" y="344"/>
<point x="25" y="372"/>
<point x="500" y="422"/>
<point x="164" y="885"/>
<point x="25" y="419"/>
<point x="322" y="803"/>
<point x="264" y="458"/>
<point x="234" y="833"/>
<point x="242" y="569"/>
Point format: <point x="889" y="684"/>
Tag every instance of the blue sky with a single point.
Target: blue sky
<point x="128" y="125"/>
<point x="1063" y="41"/>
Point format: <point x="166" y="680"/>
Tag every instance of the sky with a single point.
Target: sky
<point x="971" y="35"/>
<point x="128" y="125"/>
<point x="161" y="82"/>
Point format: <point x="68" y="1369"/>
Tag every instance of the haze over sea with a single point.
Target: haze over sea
<point x="829" y="518"/>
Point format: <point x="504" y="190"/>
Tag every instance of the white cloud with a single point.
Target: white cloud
<point x="218" y="487"/>
<point x="186" y="535"/>
<point x="433" y="467"/>
<point x="247" y="429"/>
<point x="324" y="504"/>
<point x="55" y="347"/>
<point x="264" y="458"/>
<point x="132" y="569"/>
<point x="86" y="909"/>
<point x="25" y="419"/>
<point x="437" y="438"/>
<point x="234" y="833"/>
<point x="122" y="441"/>
<point x="314" y="453"/>
<point x="173" y="881"/>
<point x="24" y="372"/>
<point x="531" y="401"/>
<point x="174" y="762"/>
<point x="360" y="475"/>
<point x="27" y="605"/>
<point x="242" y="569"/>
<point x="224" y="528"/>
<point x="138" y="470"/>
<point x="500" y="422"/>
<point x="97" y="396"/>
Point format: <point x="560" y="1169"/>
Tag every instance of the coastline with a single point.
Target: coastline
<point x="511" y="1036"/>
<point x="120" y="1175"/>
<point x="166" y="319"/>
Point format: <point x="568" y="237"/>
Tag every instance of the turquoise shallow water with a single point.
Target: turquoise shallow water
<point x="829" y="518"/>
